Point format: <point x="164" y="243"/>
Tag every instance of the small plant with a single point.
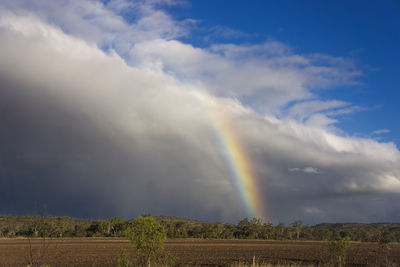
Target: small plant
<point x="148" y="237"/>
<point x="338" y="250"/>
<point x="122" y="259"/>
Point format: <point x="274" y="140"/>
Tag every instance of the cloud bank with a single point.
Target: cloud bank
<point x="106" y="112"/>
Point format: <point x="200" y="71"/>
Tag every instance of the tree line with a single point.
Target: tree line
<point x="51" y="226"/>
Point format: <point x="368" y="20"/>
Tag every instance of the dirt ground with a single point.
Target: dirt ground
<point x="103" y="251"/>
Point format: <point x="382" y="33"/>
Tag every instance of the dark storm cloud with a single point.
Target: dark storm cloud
<point x="55" y="156"/>
<point x="87" y="135"/>
<point x="71" y="143"/>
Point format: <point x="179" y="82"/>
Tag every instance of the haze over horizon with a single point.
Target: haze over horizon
<point x="200" y="109"/>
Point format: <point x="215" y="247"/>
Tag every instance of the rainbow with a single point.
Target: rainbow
<point x="240" y="167"/>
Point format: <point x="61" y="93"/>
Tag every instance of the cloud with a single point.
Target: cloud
<point x="318" y="113"/>
<point x="95" y="132"/>
<point x="305" y="170"/>
<point x="313" y="210"/>
<point x="266" y="77"/>
<point x="381" y="131"/>
<point x="220" y="31"/>
<point x="105" y="24"/>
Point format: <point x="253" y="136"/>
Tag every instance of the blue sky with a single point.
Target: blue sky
<point x="364" y="31"/>
<point x="109" y="108"/>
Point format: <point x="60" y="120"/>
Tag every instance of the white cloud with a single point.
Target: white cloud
<point x="148" y="123"/>
<point x="94" y="22"/>
<point x="310" y="170"/>
<point x="266" y="76"/>
<point x="313" y="210"/>
<point x="220" y="31"/>
<point x="381" y="131"/>
<point x="303" y="110"/>
<point x="305" y="170"/>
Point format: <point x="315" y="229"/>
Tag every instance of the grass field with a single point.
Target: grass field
<point x="102" y="252"/>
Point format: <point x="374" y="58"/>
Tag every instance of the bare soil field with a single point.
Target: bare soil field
<point x="103" y="251"/>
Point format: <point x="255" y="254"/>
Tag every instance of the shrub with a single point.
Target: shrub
<point x="147" y="236"/>
<point x="337" y="250"/>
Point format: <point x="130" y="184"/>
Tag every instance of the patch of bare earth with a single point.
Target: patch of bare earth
<point x="103" y="251"/>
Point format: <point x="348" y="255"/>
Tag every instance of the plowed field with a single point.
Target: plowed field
<point x="103" y="251"/>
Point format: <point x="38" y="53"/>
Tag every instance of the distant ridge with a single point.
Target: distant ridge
<point x="353" y="225"/>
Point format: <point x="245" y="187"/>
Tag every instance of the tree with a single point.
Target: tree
<point x="323" y="233"/>
<point x="243" y="228"/>
<point x="61" y="225"/>
<point x="115" y="227"/>
<point x="279" y="230"/>
<point x="179" y="230"/>
<point x="147" y="236"/>
<point x="267" y="231"/>
<point x="255" y="228"/>
<point x="297" y="225"/>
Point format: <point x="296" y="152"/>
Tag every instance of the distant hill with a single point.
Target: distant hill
<point x="353" y="226"/>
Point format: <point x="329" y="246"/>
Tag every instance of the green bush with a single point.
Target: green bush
<point x="148" y="237"/>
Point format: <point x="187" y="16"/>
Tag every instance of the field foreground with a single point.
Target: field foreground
<point x="103" y="251"/>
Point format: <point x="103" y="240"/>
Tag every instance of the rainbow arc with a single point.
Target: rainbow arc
<point x="240" y="167"/>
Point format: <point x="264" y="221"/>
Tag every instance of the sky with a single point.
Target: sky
<point x="281" y="110"/>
